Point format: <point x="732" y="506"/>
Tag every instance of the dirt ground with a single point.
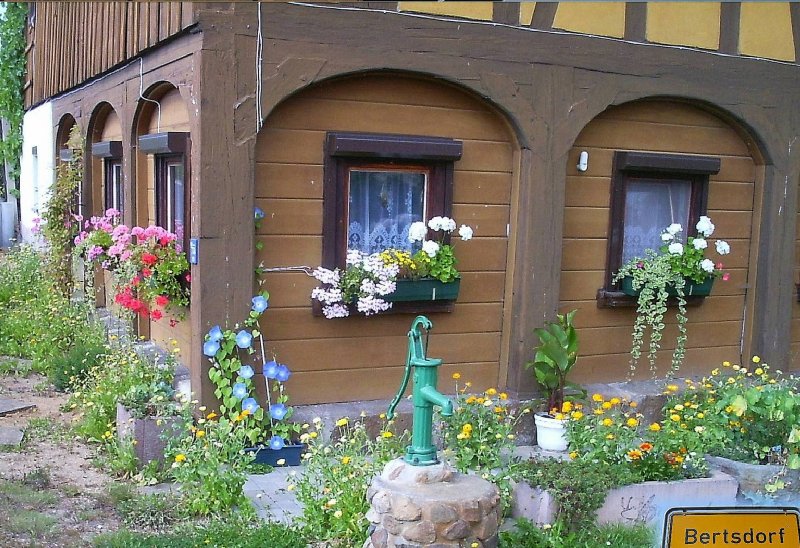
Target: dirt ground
<point x="50" y="492"/>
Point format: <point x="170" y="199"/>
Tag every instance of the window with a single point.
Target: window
<point x="112" y="174"/>
<point x="648" y="193"/>
<point x="172" y="195"/>
<point x="377" y="185"/>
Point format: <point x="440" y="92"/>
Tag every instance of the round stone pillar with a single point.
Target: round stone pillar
<point x="431" y="506"/>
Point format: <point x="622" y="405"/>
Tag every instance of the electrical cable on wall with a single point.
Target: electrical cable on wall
<point x="142" y="97"/>
<point x="259" y="54"/>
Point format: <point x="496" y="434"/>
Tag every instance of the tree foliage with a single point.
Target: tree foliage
<point x="12" y="76"/>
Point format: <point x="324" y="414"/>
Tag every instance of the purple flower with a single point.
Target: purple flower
<point x="246" y="372"/>
<point x="250" y="405"/>
<point x="276" y="443"/>
<point x="270" y="369"/>
<point x="240" y="390"/>
<point x="210" y="348"/>
<point x="260" y="304"/>
<point x="244" y="339"/>
<point x="283" y="373"/>
<point x="277" y="411"/>
<point x="640" y="265"/>
<point x="215" y="334"/>
<point x="258" y="213"/>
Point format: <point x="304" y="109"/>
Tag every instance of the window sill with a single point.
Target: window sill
<point x="611" y="298"/>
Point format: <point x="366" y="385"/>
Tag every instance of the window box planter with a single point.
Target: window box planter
<point x="291" y="454"/>
<point x="425" y="289"/>
<point x="691" y="289"/>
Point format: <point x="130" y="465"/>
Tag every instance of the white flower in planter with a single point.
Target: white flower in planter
<point x="699" y="243"/>
<point x="666" y="237"/>
<point x="674" y="228"/>
<point x="417" y="232"/>
<point x="705" y="226"/>
<point x="707" y="265"/>
<point x="436" y="223"/>
<point x="465" y="232"/>
<point x="675" y="248"/>
<point x="430" y="247"/>
<point x="722" y="247"/>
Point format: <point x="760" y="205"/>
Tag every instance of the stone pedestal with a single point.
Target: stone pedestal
<point x="431" y="506"/>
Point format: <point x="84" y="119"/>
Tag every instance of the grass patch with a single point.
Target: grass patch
<point x="157" y="511"/>
<point x="230" y="534"/>
<point x="528" y="535"/>
<point x="46" y="428"/>
<point x="21" y="505"/>
<point x="16" y="494"/>
<point x="17" y="368"/>
<point x="31" y="522"/>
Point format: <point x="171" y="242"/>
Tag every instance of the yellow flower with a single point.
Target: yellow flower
<point x="633" y="423"/>
<point x="466" y="428"/>
<point x="573" y="455"/>
<point x="180" y="457"/>
<point x="672" y="387"/>
<point x="615" y="401"/>
<point x="559" y="416"/>
<point x="633" y="404"/>
<point x="503" y="396"/>
<point x="606" y="405"/>
<point x="715" y="371"/>
<point x="312" y="435"/>
<point x="471" y="399"/>
<point x="566" y="407"/>
<point x="634" y="454"/>
<point x="467" y="384"/>
<point x="759" y="371"/>
<point x="456" y="376"/>
<point x="498" y="409"/>
<point x="679" y="407"/>
<point x="337" y="514"/>
<point x="599" y="411"/>
<point x="675" y="417"/>
<point x="331" y="503"/>
<point x="342" y="422"/>
<point x="607" y="422"/>
<point x="597" y="397"/>
<point x="211" y="416"/>
<point x="756" y="359"/>
<point x="345" y="460"/>
<point x="491" y="392"/>
<point x="480" y="400"/>
<point x="701" y="415"/>
<point x="610" y="436"/>
<point x="577" y="415"/>
<point x="726" y="363"/>
<point x="201" y="433"/>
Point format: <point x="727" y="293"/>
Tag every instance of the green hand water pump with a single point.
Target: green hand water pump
<point x="421" y="452"/>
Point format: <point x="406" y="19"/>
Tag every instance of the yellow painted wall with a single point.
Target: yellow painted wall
<point x="765" y="30"/>
<point x="684" y="23"/>
<point x="468" y="10"/>
<point x="526" y="12"/>
<point x="112" y="130"/>
<point x="601" y="18"/>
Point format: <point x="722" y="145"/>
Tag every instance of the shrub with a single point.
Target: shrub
<point x="69" y="371"/>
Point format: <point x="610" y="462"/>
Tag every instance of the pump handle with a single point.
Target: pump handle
<point x="419" y="321"/>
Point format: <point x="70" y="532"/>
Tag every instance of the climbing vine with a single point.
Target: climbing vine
<point x="12" y="76"/>
<point x="60" y="224"/>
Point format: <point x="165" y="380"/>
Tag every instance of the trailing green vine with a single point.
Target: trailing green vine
<point x="12" y="77"/>
<point x="60" y="225"/>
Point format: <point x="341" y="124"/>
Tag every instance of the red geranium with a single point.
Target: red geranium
<point x="156" y="314"/>
<point x="149" y="259"/>
<point x="162" y="300"/>
<point x="146" y="272"/>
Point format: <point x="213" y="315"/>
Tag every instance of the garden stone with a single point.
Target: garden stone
<point x="12" y="406"/>
<point x="404" y="509"/>
<point x="10" y="436"/>
<point x="381" y="502"/>
<point x="391" y="525"/>
<point x="487" y="526"/>
<point x="440" y="513"/>
<point x="421" y="531"/>
<point x="753" y="477"/>
<point x="458" y="530"/>
<point x="471" y="510"/>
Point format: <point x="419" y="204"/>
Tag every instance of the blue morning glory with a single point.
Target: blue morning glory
<point x="277" y="411"/>
<point x="250" y="405"/>
<point x="258" y="213"/>
<point x="210" y="348"/>
<point x="276" y="443"/>
<point x="246" y="372"/>
<point x="260" y="304"/>
<point x="283" y="373"/>
<point x="215" y="334"/>
<point x="270" y="369"/>
<point x="240" y="390"/>
<point x="244" y="339"/>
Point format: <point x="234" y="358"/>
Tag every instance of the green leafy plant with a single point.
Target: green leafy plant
<point x="655" y="274"/>
<point x="69" y="371"/>
<point x="436" y="258"/>
<point x="333" y="486"/>
<point x="557" y="535"/>
<point x="12" y="78"/>
<point x="155" y="511"/>
<point x="554" y="358"/>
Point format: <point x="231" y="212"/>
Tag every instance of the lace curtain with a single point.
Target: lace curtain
<point x="382" y="206"/>
<point x="650" y="206"/>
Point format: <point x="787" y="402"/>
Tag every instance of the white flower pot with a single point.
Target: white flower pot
<point x="550" y="433"/>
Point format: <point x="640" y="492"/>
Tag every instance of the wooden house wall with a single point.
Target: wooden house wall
<point x="363" y="358"/>
<point x="715" y="327"/>
<point x="71" y="42"/>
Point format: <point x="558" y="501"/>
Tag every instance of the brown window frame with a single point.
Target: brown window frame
<point x="165" y="194"/>
<point x="344" y="151"/>
<point x="628" y="166"/>
<point x="109" y="165"/>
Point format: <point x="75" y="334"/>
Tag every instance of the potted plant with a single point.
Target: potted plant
<point x="370" y="283"/>
<point x="269" y="432"/>
<point x="554" y="357"/>
<point x="679" y="270"/>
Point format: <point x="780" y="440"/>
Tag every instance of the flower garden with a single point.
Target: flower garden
<point x="745" y="412"/>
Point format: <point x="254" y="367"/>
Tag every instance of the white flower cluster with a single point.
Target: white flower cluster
<point x="705" y="228"/>
<point x="418" y="232"/>
<point x="374" y="280"/>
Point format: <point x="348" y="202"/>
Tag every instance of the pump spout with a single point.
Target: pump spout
<point x="430" y="394"/>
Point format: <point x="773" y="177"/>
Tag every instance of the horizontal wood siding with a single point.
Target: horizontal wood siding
<point x="715" y="327"/>
<point x="357" y="357"/>
<point x="73" y="41"/>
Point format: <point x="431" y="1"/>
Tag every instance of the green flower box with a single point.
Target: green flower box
<point x="424" y="289"/>
<point x="691" y="289"/>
